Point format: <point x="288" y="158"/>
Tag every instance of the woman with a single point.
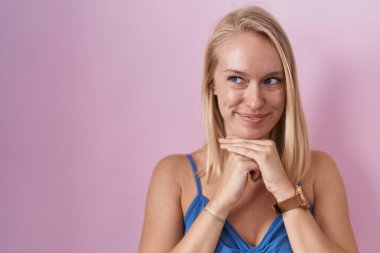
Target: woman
<point x="257" y="154"/>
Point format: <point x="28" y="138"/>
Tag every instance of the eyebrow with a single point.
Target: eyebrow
<point x="244" y="74"/>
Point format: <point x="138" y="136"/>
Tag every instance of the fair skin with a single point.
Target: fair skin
<point x="249" y="85"/>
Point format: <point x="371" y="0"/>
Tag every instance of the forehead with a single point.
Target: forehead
<point x="248" y="52"/>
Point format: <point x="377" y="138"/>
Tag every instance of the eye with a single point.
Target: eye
<point x="272" y="81"/>
<point x="236" y="79"/>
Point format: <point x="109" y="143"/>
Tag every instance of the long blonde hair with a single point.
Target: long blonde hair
<point x="290" y="133"/>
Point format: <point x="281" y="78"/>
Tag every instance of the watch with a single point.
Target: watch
<point x="298" y="200"/>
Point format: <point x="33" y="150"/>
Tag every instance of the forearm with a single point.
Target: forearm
<point x="204" y="233"/>
<point x="304" y="233"/>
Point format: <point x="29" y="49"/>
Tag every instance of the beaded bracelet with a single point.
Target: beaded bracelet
<point x="215" y="216"/>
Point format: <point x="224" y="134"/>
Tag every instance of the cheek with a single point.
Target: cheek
<point x="281" y="107"/>
<point x="229" y="98"/>
<point x="277" y="101"/>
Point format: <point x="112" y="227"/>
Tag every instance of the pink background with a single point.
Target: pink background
<point x="94" y="93"/>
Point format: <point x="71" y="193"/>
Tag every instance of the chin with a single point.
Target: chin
<point x="256" y="136"/>
<point x="250" y="134"/>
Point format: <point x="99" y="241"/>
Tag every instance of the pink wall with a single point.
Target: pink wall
<point x="93" y="94"/>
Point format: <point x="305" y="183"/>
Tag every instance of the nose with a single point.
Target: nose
<point x="254" y="97"/>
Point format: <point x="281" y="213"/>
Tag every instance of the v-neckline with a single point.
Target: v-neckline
<point x="242" y="243"/>
<point x="245" y="243"/>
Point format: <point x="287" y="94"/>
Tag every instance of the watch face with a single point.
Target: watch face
<point x="304" y="204"/>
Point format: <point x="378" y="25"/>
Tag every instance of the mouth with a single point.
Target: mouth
<point x="253" y="119"/>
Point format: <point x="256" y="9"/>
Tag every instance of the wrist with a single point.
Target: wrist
<point x="297" y="200"/>
<point x="218" y="208"/>
<point x="214" y="215"/>
<point x="285" y="193"/>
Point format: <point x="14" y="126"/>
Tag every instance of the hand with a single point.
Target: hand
<point x="264" y="153"/>
<point x="236" y="172"/>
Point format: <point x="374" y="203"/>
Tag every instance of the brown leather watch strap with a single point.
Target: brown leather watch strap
<point x="298" y="200"/>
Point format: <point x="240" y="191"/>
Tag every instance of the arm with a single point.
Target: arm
<point x="163" y="216"/>
<point x="330" y="231"/>
<point x="163" y="223"/>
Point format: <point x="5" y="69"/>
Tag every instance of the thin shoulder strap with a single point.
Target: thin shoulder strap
<point x="194" y="168"/>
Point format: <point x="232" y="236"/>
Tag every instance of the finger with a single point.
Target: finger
<point x="243" y="145"/>
<point x="250" y="153"/>
<point x="229" y="139"/>
<point x="252" y="163"/>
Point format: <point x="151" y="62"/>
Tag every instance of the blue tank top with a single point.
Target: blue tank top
<point x="275" y="239"/>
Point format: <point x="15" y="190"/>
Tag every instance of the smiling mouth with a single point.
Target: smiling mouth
<point x="253" y="119"/>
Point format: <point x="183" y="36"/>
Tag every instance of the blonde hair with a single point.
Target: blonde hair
<point x="290" y="132"/>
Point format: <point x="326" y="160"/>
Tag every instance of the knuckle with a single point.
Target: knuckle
<point x="266" y="156"/>
<point x="268" y="149"/>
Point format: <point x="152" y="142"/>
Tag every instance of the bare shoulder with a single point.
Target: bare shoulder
<point x="169" y="164"/>
<point x="330" y="202"/>
<point x="325" y="171"/>
<point x="321" y="160"/>
<point x="168" y="172"/>
<point x="163" y="226"/>
<point x="323" y="176"/>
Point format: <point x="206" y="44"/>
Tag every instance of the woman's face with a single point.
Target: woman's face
<point x="249" y="83"/>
